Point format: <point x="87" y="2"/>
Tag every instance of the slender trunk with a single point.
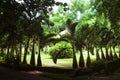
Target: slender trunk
<point x="20" y="52"/>
<point x="115" y="55"/>
<point x="119" y="51"/>
<point x="102" y="54"/>
<point x="107" y="55"/>
<point x="17" y="56"/>
<point x="12" y="56"/>
<point x="111" y="55"/>
<point x="97" y="54"/>
<point x="92" y="51"/>
<point x="74" y="64"/>
<point x="26" y="51"/>
<point x="12" y="51"/>
<point x="32" y="61"/>
<point x="81" y="60"/>
<point x="88" y="63"/>
<point x="8" y="55"/>
<point x="2" y="51"/>
<point x="8" y="51"/>
<point x="39" y="62"/>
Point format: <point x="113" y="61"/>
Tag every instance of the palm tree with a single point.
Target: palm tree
<point x="111" y="54"/>
<point x="71" y="28"/>
<point x="87" y="37"/>
<point x="45" y="39"/>
<point x="81" y="35"/>
<point x="97" y="54"/>
<point x="79" y="45"/>
<point x="26" y="51"/>
<point x="104" y="34"/>
<point x="70" y="37"/>
<point x="32" y="60"/>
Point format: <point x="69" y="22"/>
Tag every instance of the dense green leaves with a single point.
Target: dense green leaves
<point x="90" y="25"/>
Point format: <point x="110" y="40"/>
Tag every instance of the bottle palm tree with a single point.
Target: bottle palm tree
<point x="45" y="39"/>
<point x="81" y="36"/>
<point x="70" y="37"/>
<point x="71" y="28"/>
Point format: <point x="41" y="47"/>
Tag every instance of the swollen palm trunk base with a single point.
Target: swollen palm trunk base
<point x="107" y="55"/>
<point x="111" y="55"/>
<point x="115" y="56"/>
<point x="102" y="54"/>
<point x="81" y="60"/>
<point x="97" y="55"/>
<point x="32" y="61"/>
<point x="88" y="60"/>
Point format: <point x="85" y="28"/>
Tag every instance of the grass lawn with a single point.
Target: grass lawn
<point x="61" y="63"/>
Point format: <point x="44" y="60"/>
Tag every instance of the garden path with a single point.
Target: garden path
<point x="10" y="74"/>
<point x="113" y="76"/>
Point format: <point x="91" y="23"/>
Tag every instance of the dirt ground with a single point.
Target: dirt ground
<point x="9" y="74"/>
<point x="113" y="76"/>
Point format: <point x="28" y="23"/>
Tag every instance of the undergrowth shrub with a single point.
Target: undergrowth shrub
<point x="112" y="66"/>
<point x="106" y="66"/>
<point x="67" y="53"/>
<point x="99" y="65"/>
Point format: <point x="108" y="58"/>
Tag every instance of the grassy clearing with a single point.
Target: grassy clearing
<point x="61" y="63"/>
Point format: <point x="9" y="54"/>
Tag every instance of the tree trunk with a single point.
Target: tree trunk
<point x="115" y="55"/>
<point x="111" y="55"/>
<point x="2" y="51"/>
<point x="74" y="64"/>
<point x="88" y="63"/>
<point x="17" y="56"/>
<point x="20" y="52"/>
<point x="12" y="51"/>
<point x="26" y="51"/>
<point x="119" y="51"/>
<point x="102" y="54"/>
<point x="107" y="55"/>
<point x="12" y="56"/>
<point x="97" y="54"/>
<point x="8" y="51"/>
<point x="39" y="62"/>
<point x="81" y="60"/>
<point x="32" y="61"/>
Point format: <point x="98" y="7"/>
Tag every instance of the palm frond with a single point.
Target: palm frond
<point x="51" y="35"/>
<point x="72" y="27"/>
<point x="57" y="54"/>
<point x="56" y="40"/>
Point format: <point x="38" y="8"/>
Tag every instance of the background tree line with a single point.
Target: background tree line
<point x="92" y="26"/>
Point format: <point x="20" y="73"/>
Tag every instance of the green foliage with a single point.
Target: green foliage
<point x="80" y="5"/>
<point x="67" y="53"/>
<point x="59" y="18"/>
<point x="2" y="56"/>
